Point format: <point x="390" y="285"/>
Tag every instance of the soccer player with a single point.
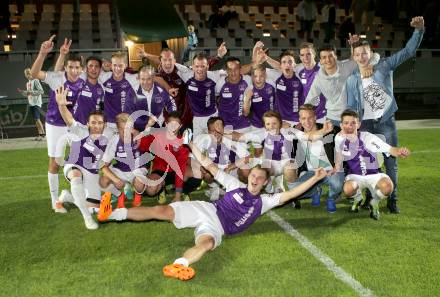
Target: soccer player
<point x="91" y="97"/>
<point x="231" y="90"/>
<point x="307" y="75"/>
<point x="373" y="97"/>
<point x="288" y="89"/>
<point x="200" y="91"/>
<point x="235" y="212"/>
<point x="81" y="168"/>
<point x="277" y="144"/>
<point x="316" y="153"/>
<point x="222" y="151"/>
<point x="258" y="100"/>
<point x="55" y="125"/>
<point x="152" y="99"/>
<point x="359" y="150"/>
<point x="170" y="159"/>
<point x="129" y="165"/>
<point x="167" y="70"/>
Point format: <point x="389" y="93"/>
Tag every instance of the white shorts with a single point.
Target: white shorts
<point x="276" y="167"/>
<point x="90" y="181"/>
<point x="201" y="215"/>
<point x="140" y="173"/>
<point x="110" y="130"/>
<point x="200" y="124"/>
<point x="56" y="137"/>
<point x="366" y="181"/>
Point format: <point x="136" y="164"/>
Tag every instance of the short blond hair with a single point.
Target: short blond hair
<point x="119" y="55"/>
<point x="122" y="118"/>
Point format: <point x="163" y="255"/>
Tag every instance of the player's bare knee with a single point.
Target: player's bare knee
<point x="206" y="242"/>
<point x="385" y="185"/>
<point x="74" y="173"/>
<point x="350" y="188"/>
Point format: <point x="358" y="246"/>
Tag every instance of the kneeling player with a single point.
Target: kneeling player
<point x="81" y="168"/>
<point x="358" y="150"/>
<point x="235" y="212"/>
<point x="128" y="166"/>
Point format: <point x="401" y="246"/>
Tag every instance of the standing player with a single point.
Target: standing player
<point x="235" y="212"/>
<point x="200" y="91"/>
<point x="55" y="127"/>
<point x="373" y="97"/>
<point x="307" y="75"/>
<point x="167" y="70"/>
<point x="81" y="168"/>
<point x="231" y="90"/>
<point x="151" y="99"/>
<point x="359" y="150"/>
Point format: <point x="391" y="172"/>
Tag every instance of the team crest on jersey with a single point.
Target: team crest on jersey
<point x="178" y="82"/>
<point x="269" y="91"/>
<point x="124" y="85"/>
<point x="242" y="87"/>
<point x="295" y="84"/>
<point x="99" y="92"/>
<point x="157" y="99"/>
<point x="208" y="84"/>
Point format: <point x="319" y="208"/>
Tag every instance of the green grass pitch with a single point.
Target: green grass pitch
<point x="48" y="254"/>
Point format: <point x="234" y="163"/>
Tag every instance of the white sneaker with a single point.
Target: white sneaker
<point x="66" y="197"/>
<point x="90" y="223"/>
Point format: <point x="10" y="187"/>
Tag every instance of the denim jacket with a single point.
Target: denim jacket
<point x="382" y="75"/>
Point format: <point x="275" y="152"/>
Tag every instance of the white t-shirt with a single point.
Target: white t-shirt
<point x="376" y="100"/>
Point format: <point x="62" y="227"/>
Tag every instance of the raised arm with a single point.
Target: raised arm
<point x="320" y="173"/>
<point x="46" y="47"/>
<point x="61" y="98"/>
<point x="155" y="60"/>
<point x="160" y="81"/>
<point x="64" y="50"/>
<point x="247" y="102"/>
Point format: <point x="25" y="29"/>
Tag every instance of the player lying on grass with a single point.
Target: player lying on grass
<point x="359" y="150"/>
<point x="81" y="168"/>
<point x="236" y="211"/>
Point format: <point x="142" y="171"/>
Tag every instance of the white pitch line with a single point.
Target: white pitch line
<point x="340" y="273"/>
<point x="22" y="177"/>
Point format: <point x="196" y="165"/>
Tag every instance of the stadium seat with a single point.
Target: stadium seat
<point x="66" y="8"/>
<point x="12" y="10"/>
<point x="49" y="8"/>
<point x="27" y="16"/>
<point x="268" y="10"/>
<point x="103" y="8"/>
<point x="253" y="10"/>
<point x="283" y="11"/>
<point x="87" y="8"/>
<point x="206" y="9"/>
<point x="47" y="16"/>
<point x="30" y="8"/>
<point x="189" y="8"/>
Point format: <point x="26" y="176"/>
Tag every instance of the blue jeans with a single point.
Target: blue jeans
<point x="389" y="131"/>
<point x="335" y="183"/>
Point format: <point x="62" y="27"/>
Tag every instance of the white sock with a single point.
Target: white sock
<point x="358" y="196"/>
<point x="93" y="210"/>
<point x="79" y="196"/>
<point x="182" y="261"/>
<point x="53" y="187"/>
<point x="379" y="194"/>
<point x="112" y="189"/>
<point x="119" y="214"/>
